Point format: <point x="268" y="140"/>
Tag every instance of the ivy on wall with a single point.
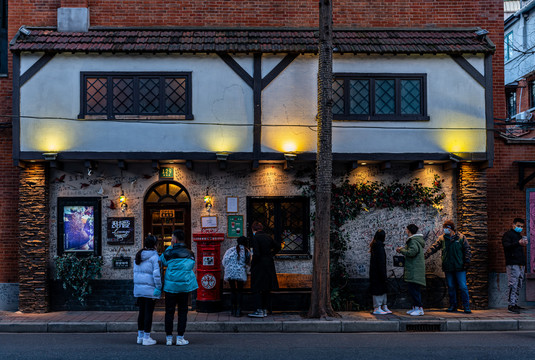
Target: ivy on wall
<point x="76" y="272"/>
<point x="348" y="201"/>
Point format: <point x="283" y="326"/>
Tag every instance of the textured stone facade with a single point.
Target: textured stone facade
<point x="34" y="238"/>
<point x="472" y="221"/>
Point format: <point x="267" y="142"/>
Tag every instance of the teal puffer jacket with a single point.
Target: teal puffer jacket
<point x="179" y="276"/>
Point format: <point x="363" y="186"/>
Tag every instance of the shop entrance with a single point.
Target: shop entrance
<point x="167" y="208"/>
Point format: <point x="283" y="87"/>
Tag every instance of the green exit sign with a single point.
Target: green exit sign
<point x="167" y="173"/>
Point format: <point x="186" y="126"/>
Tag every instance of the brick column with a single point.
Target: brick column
<point x="472" y="221"/>
<point x="34" y="238"/>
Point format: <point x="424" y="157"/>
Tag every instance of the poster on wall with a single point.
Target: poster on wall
<point x="78" y="225"/>
<point x="120" y="230"/>
<point x="234" y="226"/>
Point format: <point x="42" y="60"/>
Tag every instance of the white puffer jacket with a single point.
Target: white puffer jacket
<point x="236" y="269"/>
<point x="147" y="275"/>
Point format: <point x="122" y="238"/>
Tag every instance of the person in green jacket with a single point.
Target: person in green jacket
<point x="414" y="274"/>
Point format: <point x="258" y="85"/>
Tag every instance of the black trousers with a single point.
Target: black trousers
<point x="263" y="300"/>
<point x="144" y="318"/>
<point x="236" y="292"/>
<point x="173" y="301"/>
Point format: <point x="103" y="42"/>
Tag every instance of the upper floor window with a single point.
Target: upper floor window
<point x="286" y="219"/>
<point x="3" y="37"/>
<point x="379" y="97"/>
<point x="511" y="103"/>
<point x="508" y="46"/>
<point x="532" y="93"/>
<point x="131" y="95"/>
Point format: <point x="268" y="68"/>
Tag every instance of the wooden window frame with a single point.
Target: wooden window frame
<point x="277" y="232"/>
<point x="136" y="76"/>
<point x="532" y="93"/>
<point x="398" y="116"/>
<point x="508" y="46"/>
<point x="509" y="94"/>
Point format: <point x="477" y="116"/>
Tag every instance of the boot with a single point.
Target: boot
<point x="238" y="312"/>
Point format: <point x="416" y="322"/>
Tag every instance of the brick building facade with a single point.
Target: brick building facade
<point x="265" y="14"/>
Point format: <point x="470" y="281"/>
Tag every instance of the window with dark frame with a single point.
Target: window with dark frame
<point x="508" y="40"/>
<point x="387" y="97"/>
<point x="511" y="103"/>
<point x="286" y="219"/>
<point x="532" y="93"/>
<point x="3" y="37"/>
<point x="113" y="95"/>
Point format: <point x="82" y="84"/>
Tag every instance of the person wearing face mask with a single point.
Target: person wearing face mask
<point x="515" y="262"/>
<point x="456" y="256"/>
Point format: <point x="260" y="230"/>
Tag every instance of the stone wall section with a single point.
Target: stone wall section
<point x="34" y="238"/>
<point x="472" y="221"/>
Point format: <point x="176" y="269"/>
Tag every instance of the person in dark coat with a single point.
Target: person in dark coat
<point x="378" y="279"/>
<point x="263" y="274"/>
<point x="515" y="262"/>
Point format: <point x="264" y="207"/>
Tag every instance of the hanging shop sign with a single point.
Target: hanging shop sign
<point x="167" y="214"/>
<point x="121" y="230"/>
<point x="167" y="173"/>
<point x="234" y="226"/>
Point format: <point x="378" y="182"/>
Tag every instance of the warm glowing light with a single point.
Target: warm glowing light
<point x="363" y="163"/>
<point x="289" y="147"/>
<point x="52" y="139"/>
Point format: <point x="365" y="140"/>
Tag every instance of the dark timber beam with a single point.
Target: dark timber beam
<point x="16" y="110"/>
<point x="283" y="64"/>
<point x="472" y="71"/>
<point x="489" y="110"/>
<point x="34" y="69"/>
<point x="236" y="68"/>
<point x="257" y="100"/>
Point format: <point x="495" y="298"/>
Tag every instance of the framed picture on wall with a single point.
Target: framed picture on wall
<point x="79" y="225"/>
<point x="232" y="204"/>
<point x="208" y="222"/>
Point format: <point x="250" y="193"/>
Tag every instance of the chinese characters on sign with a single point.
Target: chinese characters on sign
<point x="121" y="231"/>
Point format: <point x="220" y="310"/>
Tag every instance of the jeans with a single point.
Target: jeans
<point x="458" y="277"/>
<point x="515" y="278"/>
<point x="171" y="302"/>
<point x="379" y="300"/>
<point x="414" y="292"/>
<point x="144" y="318"/>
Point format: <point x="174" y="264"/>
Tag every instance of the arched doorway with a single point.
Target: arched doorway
<point x="167" y="207"/>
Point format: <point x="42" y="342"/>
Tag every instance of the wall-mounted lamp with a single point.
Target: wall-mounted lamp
<point x="207" y="202"/>
<point x="50" y="156"/>
<point x="222" y="160"/>
<point x="455" y="158"/>
<point x="290" y="158"/>
<point x="122" y="201"/>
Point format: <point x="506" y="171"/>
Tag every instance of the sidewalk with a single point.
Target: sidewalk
<point x="126" y="321"/>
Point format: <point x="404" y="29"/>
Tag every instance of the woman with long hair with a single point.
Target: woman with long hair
<point x="235" y="261"/>
<point x="378" y="279"/>
<point x="147" y="288"/>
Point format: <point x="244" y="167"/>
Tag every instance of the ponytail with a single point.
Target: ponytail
<point x="150" y="244"/>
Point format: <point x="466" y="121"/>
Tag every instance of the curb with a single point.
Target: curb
<point x="312" y="326"/>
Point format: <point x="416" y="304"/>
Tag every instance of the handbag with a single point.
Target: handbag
<point x="399" y="260"/>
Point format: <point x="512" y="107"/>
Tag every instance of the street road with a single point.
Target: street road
<point x="204" y="346"/>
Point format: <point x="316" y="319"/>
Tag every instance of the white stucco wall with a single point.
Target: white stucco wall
<point x="521" y="64"/>
<point x="454" y="100"/>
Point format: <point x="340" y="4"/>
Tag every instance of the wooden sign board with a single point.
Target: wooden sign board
<point x="121" y="262"/>
<point x="121" y="230"/>
<point x="167" y="214"/>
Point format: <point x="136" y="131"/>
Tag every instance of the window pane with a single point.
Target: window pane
<point x="149" y="92"/>
<point x="532" y="104"/>
<point x="359" y="92"/>
<point x="175" y="96"/>
<point x="96" y="95"/>
<point x="123" y="96"/>
<point x="338" y="96"/>
<point x="511" y="104"/>
<point x="410" y="96"/>
<point x="292" y="226"/>
<point x="385" y="99"/>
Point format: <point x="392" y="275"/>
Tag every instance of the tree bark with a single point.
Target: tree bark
<point x="320" y="304"/>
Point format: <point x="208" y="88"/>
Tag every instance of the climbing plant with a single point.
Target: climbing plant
<point x="76" y="272"/>
<point x="349" y="200"/>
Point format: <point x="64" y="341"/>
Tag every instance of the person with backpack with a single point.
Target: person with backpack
<point x="456" y="256"/>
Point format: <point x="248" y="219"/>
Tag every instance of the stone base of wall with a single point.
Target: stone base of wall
<point x="9" y="297"/>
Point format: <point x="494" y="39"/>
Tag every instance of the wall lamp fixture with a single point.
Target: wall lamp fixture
<point x="289" y="163"/>
<point x="207" y="202"/>
<point x="50" y="156"/>
<point x="222" y="158"/>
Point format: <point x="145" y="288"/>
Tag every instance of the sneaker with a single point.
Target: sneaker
<point x="378" y="311"/>
<point x="386" y="309"/>
<point x="513" y="309"/>
<point x="452" y="308"/>
<point x="411" y="310"/>
<point x="181" y="342"/>
<point x="257" y="314"/>
<point x="265" y="312"/>
<point x="169" y="341"/>
<point x="418" y="312"/>
<point x="140" y="339"/>
<point x="467" y="311"/>
<point x="148" y="341"/>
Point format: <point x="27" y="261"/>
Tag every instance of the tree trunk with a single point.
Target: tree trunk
<point x="320" y="304"/>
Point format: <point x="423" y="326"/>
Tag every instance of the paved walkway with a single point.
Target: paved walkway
<point x="125" y="321"/>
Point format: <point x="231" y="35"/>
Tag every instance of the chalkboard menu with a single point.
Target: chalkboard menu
<point x="121" y="230"/>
